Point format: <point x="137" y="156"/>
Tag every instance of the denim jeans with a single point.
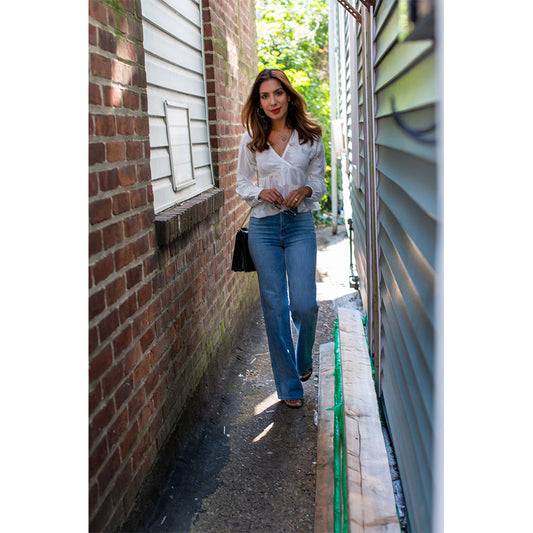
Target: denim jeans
<point x="284" y="252"/>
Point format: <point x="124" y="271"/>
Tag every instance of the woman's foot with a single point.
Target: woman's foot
<point x="293" y="404"/>
<point x="307" y="375"/>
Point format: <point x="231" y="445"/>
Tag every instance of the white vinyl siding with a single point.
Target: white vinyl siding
<point x="175" y="76"/>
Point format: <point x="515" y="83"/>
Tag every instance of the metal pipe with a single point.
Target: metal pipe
<point x="333" y="111"/>
<point x="367" y="124"/>
<point x="371" y="200"/>
<point x="375" y="211"/>
<point x="354" y="280"/>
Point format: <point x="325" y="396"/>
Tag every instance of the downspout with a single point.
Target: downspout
<point x="371" y="203"/>
<point x="333" y="111"/>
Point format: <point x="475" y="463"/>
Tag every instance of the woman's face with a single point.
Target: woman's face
<point x="273" y="99"/>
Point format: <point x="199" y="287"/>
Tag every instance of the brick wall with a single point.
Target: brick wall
<point x="163" y="314"/>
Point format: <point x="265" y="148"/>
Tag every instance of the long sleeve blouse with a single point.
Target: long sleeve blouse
<point x="300" y="164"/>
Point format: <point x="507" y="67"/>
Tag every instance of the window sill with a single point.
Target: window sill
<point x="174" y="222"/>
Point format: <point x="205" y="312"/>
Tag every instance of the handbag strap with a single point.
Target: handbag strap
<point x="247" y="217"/>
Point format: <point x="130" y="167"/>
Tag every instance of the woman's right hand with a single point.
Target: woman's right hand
<point x="272" y="196"/>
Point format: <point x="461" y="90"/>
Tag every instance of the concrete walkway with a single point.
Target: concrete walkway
<point x="251" y="464"/>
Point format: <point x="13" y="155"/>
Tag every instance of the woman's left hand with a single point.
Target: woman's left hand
<point x="295" y="198"/>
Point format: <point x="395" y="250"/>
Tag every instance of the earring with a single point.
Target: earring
<point x="261" y="113"/>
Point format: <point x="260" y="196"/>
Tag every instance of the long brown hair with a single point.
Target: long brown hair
<point x="259" y="127"/>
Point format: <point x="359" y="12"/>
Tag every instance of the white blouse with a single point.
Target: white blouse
<point x="300" y="164"/>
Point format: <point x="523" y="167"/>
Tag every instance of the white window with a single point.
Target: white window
<point x="179" y="145"/>
<point x="180" y="156"/>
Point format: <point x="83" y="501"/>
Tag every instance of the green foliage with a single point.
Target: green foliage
<point x="293" y="35"/>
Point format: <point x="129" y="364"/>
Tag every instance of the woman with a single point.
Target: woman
<point x="282" y="147"/>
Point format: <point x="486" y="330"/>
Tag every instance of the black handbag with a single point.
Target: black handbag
<point x="242" y="260"/>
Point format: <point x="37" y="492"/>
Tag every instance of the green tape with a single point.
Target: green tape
<point x="340" y="494"/>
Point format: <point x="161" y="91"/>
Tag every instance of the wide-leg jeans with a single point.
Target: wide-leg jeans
<point x="284" y="250"/>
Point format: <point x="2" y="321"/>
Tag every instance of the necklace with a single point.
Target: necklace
<point x="283" y="137"/>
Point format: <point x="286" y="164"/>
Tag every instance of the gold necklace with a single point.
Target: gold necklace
<point x="284" y="137"/>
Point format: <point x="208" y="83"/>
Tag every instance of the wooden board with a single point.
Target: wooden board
<point x="324" y="466"/>
<point x="371" y="504"/>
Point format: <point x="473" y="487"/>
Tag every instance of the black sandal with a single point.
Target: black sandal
<point x="298" y="404"/>
<point x="307" y="375"/>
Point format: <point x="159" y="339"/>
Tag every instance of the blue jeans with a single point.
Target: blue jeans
<point x="284" y="252"/>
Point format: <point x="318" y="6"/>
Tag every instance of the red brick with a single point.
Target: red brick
<point x="144" y="98"/>
<point x="112" y="96"/>
<point x="122" y="341"/>
<point x="100" y="66"/>
<point x="128" y="308"/>
<point x="117" y="428"/>
<point x="112" y="235"/>
<point x="144" y="172"/>
<point x="96" y="304"/>
<point x="99" y="364"/>
<point x="146" y="147"/>
<point x="150" y="265"/>
<point x="134" y="276"/>
<point x="141" y="246"/>
<point x="135" y="403"/>
<point x="95" y="96"/>
<point x="138" y="198"/>
<point x="160" y="392"/>
<point x="116" y="151"/>
<point x="130" y="100"/>
<point x="107" y="41"/>
<point x="117" y="20"/>
<point x="141" y="370"/>
<point x="108" y="179"/>
<point x="105" y="125"/>
<point x="129" y="440"/>
<point x="144" y="295"/>
<point x="108" y="325"/>
<point x="134" y="150"/>
<point x="147" y="339"/>
<point x="93" y="339"/>
<point x="96" y="153"/>
<point x="123" y="257"/>
<point x="118" y="488"/>
<point x="102" y="269"/>
<point x="100" y="421"/>
<point x="121" y="203"/>
<point x="126" y="125"/>
<point x="123" y="392"/>
<point x="98" y="457"/>
<point x="99" y="210"/>
<point x="98" y="522"/>
<point x="148" y="216"/>
<point x="127" y="50"/>
<point x="132" y="225"/>
<point x="93" y="184"/>
<point x="142" y="126"/>
<point x="146" y="413"/>
<point x="115" y="290"/>
<point x="97" y="11"/>
<point x="135" y="29"/>
<point x="140" y="60"/>
<point x="95" y="397"/>
<point x="127" y="175"/>
<point x="93" y="496"/>
<point x="108" y="471"/>
<point x="122" y="72"/>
